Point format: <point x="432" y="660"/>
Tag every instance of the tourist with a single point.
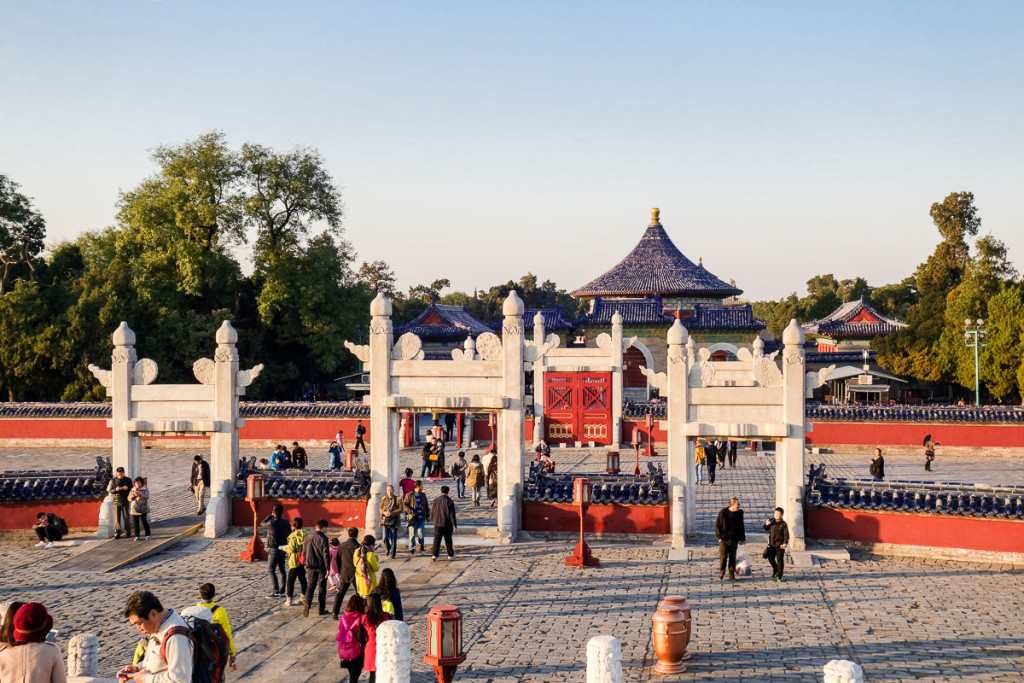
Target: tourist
<point x="340" y="438"/>
<point x="443" y="517"/>
<point x="492" y="480"/>
<point x="459" y="473"/>
<point x="7" y="625"/>
<point x="730" y="533"/>
<point x="700" y="457"/>
<point x="299" y="458"/>
<point x="278" y="460"/>
<point x="168" y="648"/>
<point x="390" y="596"/>
<point x="345" y="567"/>
<point x="475" y="478"/>
<point x="877" y="468"/>
<point x="118" y="488"/>
<point x="374" y="617"/>
<point x="929" y="452"/>
<point x="334" y="459"/>
<point x="720" y="452"/>
<point x="778" y="539"/>
<point x="296" y="541"/>
<point x="449" y="426"/>
<point x="407" y="483"/>
<point x="263" y="464"/>
<point x="547" y="465"/>
<point x="277" y="542"/>
<point x="732" y="453"/>
<point x="542" y="449"/>
<point x="48" y="529"/>
<point x="218" y="615"/>
<point x="417" y="507"/>
<point x="366" y="564"/>
<point x="712" y="463"/>
<point x="316" y="556"/>
<point x="199" y="481"/>
<point x="360" y="433"/>
<point x="138" y="498"/>
<point x="30" y="659"/>
<point x="439" y="470"/>
<point x="350" y="637"/>
<point x="428" y="456"/>
<point x="390" y="517"/>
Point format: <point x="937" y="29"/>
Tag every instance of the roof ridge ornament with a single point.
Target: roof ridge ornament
<point x="655" y="217"/>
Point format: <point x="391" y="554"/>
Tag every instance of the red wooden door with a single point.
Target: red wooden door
<point x="595" y="412"/>
<point x="560" y="406"/>
<point x="577" y="407"/>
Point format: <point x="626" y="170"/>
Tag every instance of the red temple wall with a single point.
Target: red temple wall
<point x="79" y="514"/>
<point x="606" y="519"/>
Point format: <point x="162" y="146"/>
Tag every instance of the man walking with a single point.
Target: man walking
<point x="277" y="536"/>
<point x="778" y="539"/>
<point x="360" y="433"/>
<point x="443" y="517"/>
<point x="877" y="468"/>
<point x="730" y="533"/>
<point x="168" y="646"/>
<point x="417" y="507"/>
<point x="390" y="516"/>
<point x="712" y="463"/>
<point x="346" y="569"/>
<point x="732" y="454"/>
<point x="316" y="555"/>
<point x="199" y="481"/>
<point x="119" y="487"/>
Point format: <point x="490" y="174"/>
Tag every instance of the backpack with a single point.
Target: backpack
<point x="360" y="430"/>
<point x="209" y="649"/>
<point x="350" y="637"/>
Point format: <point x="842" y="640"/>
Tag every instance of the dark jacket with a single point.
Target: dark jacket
<point x="877" y="468"/>
<point x="277" y="532"/>
<point x="316" y="551"/>
<point x="729" y="526"/>
<point x="299" y="458"/>
<point x="410" y="505"/>
<point x="346" y="550"/>
<point x="778" y="533"/>
<point x="120" y="496"/>
<point x="200" y="473"/>
<point x="428" y="448"/>
<point x="443" y="514"/>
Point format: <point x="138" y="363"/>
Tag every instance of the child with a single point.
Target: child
<point x="351" y="637"/>
<point x="390" y="596"/>
<point x="374" y="617"/>
<point x="295" y="569"/>
<point x="220" y="616"/>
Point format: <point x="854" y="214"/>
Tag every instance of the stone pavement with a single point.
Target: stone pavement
<point x="528" y="617"/>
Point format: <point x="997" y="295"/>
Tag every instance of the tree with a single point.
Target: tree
<point x="1002" y="360"/>
<point x="22" y="231"/>
<point x="377" y="276"/>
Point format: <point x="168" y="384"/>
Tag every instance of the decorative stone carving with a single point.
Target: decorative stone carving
<point x="104" y="377"/>
<point x="604" y="660"/>
<point x="744" y="355"/>
<point x="225" y="354"/>
<point x="792" y="356"/>
<point x="463" y="354"/>
<point x="533" y="352"/>
<point x="813" y="380"/>
<point x="380" y="327"/>
<point x="205" y="370"/>
<point x="766" y="372"/>
<point x="514" y="326"/>
<point x="604" y="341"/>
<point x="123" y="354"/>
<point x="488" y="345"/>
<point x="628" y="343"/>
<point x="658" y="380"/>
<point x="702" y="374"/>
<point x="245" y="377"/>
<point x="408" y="347"/>
<point x="83" y="655"/>
<point x="394" y="657"/>
<point x="144" y="372"/>
<point x="362" y="352"/>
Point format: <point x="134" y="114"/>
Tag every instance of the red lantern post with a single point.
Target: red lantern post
<point x="490" y="423"/>
<point x="350" y="457"/>
<point x="636" y="446"/>
<point x="458" y="430"/>
<point x="650" y="434"/>
<point x="254" y="551"/>
<point x="444" y="642"/>
<point x="613" y="462"/>
<point x="581" y="556"/>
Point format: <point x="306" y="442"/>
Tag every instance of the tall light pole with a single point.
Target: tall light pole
<point x="974" y="337"/>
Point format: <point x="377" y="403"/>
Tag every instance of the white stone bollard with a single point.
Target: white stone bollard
<point x="394" y="658"/>
<point x="604" y="660"/>
<point x="843" y="671"/>
<point x="83" y="655"/>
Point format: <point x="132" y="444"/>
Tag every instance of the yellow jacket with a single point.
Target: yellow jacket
<point x="371" y="568"/>
<point x="220" y="616"/>
<point x="295" y="541"/>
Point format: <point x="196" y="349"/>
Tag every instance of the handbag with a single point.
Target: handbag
<point x="767" y="552"/>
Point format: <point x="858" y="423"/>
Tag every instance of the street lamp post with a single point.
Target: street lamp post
<point x="974" y="337"/>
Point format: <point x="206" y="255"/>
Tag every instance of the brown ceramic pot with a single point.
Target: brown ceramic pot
<point x="679" y="602"/>
<point x="670" y="634"/>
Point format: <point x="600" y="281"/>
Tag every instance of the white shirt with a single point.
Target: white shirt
<point x="178" y="667"/>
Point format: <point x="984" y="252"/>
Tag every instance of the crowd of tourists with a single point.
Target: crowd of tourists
<point x="710" y="455"/>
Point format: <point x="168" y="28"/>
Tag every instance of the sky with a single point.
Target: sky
<point x="479" y="141"/>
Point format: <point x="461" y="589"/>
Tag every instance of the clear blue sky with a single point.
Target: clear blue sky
<point x="478" y="141"/>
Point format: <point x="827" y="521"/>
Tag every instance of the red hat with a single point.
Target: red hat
<point x="32" y="623"/>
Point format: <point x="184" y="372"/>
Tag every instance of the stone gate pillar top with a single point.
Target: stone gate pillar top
<point x="380" y="306"/>
<point x="538" y="320"/>
<point x="677" y="334"/>
<point x="616" y="318"/>
<point x="123" y="335"/>
<point x="513" y="305"/>
<point x="793" y="335"/>
<point x="226" y="334"/>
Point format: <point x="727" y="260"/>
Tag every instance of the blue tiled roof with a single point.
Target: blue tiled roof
<point x="554" y="319"/>
<point x="838" y="322"/>
<point x="42" y="485"/>
<point x="306" y="484"/>
<point x="36" y="410"/>
<point x="715" y="317"/>
<point x="460" y="324"/>
<point x="301" y="409"/>
<point x="656" y="266"/>
<point x="646" y="311"/>
<point x="905" y="413"/>
<point x="827" y="357"/>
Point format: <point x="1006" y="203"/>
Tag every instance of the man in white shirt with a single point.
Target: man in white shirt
<point x="168" y="648"/>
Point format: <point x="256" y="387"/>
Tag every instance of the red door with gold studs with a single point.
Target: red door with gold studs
<point x="577" y="407"/>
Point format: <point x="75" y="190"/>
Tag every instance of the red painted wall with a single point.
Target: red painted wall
<point x="287" y="430"/>
<point x="607" y="519"/>
<point x="78" y="514"/>
<point x="912" y="434"/>
<point x="936" y="531"/>
<point x="338" y="513"/>
<point x="65" y="428"/>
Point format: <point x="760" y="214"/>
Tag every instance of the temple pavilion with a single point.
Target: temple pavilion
<point x="442" y="328"/>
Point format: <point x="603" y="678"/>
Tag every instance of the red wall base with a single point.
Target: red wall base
<point x="936" y="531"/>
<point x="79" y="514"/>
<point x="990" y="435"/>
<point x="338" y="513"/>
<point x="602" y="519"/>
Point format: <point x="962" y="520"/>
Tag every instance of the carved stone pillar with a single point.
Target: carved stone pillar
<point x="789" y="464"/>
<point x="384" y="445"/>
<point x="511" y="420"/>
<point x="616" y="362"/>
<point x="681" y="470"/>
<point x="539" y="333"/>
<point x="224" y="441"/>
<point x="127" y="450"/>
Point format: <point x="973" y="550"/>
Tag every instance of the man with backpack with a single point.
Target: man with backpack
<point x="316" y="556"/>
<point x="360" y="433"/>
<point x="207" y="592"/>
<point x="169" y="647"/>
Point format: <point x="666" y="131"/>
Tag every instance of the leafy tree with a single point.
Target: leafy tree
<point x="22" y="231"/>
<point x="896" y="299"/>
<point x="1002" y="360"/>
<point x="377" y="276"/>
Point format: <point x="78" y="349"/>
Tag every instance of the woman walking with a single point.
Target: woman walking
<point x="374" y="617"/>
<point x="700" y="456"/>
<point x="390" y="596"/>
<point x="351" y="638"/>
<point x="929" y="452"/>
<point x="138" y="499"/>
<point x="492" y="480"/>
<point x="295" y="569"/>
<point x="366" y="566"/>
<point x="475" y="478"/>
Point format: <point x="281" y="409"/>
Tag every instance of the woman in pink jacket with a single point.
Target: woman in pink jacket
<point x="374" y="617"/>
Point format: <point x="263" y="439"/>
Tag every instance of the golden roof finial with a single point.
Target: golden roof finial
<point x="700" y="260"/>
<point x="655" y="216"/>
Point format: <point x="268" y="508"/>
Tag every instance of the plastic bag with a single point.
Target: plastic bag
<point x="742" y="561"/>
